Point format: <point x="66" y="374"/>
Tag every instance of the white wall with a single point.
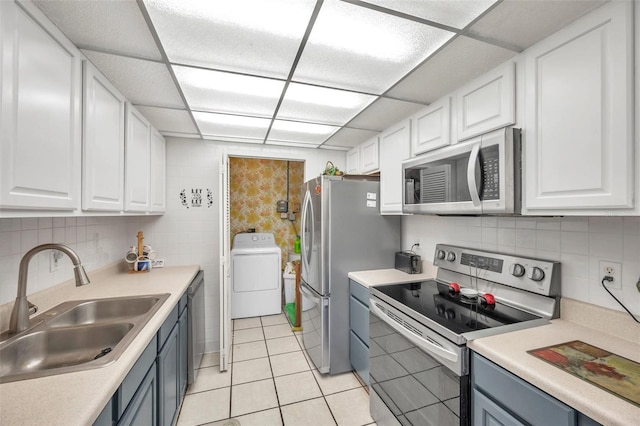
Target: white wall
<point x="579" y="243"/>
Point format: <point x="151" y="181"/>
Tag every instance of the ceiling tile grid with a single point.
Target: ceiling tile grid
<point x="305" y="73"/>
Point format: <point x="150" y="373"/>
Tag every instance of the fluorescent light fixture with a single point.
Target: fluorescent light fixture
<point x="453" y="13"/>
<point x="293" y="131"/>
<point x="333" y="98"/>
<point x="231" y="125"/>
<point x="227" y="92"/>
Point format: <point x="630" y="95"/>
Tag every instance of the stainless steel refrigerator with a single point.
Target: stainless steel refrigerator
<point x="342" y="230"/>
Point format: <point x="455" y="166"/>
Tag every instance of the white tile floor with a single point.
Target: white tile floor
<point x="271" y="382"/>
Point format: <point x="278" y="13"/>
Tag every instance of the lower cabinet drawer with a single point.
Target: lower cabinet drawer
<point x="521" y="398"/>
<point x="359" y="318"/>
<point x="359" y="356"/>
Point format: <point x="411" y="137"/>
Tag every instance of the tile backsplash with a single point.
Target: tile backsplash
<point x="99" y="241"/>
<point x="579" y="243"/>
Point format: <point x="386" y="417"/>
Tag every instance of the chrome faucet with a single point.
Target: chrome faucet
<point x="19" y="320"/>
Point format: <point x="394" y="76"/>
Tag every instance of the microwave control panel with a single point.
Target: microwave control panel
<point x="490" y="161"/>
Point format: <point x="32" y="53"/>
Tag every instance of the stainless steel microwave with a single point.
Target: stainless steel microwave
<point x="478" y="176"/>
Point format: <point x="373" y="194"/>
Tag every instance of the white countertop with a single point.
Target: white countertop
<point x="509" y="350"/>
<point x="78" y="398"/>
<point x="392" y="276"/>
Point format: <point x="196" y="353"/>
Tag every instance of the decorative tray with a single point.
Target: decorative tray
<point x="611" y="372"/>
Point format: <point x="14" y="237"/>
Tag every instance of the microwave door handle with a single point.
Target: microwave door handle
<point x="424" y="344"/>
<point x="471" y="175"/>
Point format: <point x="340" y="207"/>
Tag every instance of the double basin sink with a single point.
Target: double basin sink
<point x="76" y="335"/>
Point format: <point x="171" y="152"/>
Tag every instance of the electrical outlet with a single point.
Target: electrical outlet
<point x="611" y="269"/>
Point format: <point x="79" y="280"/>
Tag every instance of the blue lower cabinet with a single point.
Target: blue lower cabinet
<point x="168" y="394"/>
<point x="143" y="409"/>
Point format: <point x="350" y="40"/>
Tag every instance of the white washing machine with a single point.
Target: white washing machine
<point x="256" y="276"/>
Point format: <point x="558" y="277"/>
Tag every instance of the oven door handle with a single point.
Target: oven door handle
<point x="420" y="342"/>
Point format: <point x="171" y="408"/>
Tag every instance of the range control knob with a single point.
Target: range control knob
<point x="516" y="269"/>
<point x="440" y="254"/>
<point x="536" y="274"/>
<point x="451" y="256"/>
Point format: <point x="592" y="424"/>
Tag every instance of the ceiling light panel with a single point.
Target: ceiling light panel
<point x="301" y="133"/>
<point x="453" y="13"/>
<point x="252" y="36"/>
<point x="218" y="91"/>
<point x="141" y="82"/>
<point x="355" y="48"/>
<point x="234" y="126"/>
<point x="169" y="120"/>
<point x="321" y="105"/>
<point x="113" y="26"/>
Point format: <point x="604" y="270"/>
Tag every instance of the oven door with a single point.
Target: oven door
<point x="417" y="376"/>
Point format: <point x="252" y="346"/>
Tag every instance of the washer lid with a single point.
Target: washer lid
<point x="253" y="240"/>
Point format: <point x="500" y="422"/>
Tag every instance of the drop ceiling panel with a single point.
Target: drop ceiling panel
<point x="251" y="36"/>
<point x="234" y="126"/>
<point x="321" y="105"/>
<point x="140" y="81"/>
<point x="218" y="91"/>
<point x="300" y="133"/>
<point x="457" y="14"/>
<point x="524" y="22"/>
<point x="461" y="61"/>
<point x="383" y="113"/>
<point x="169" y="120"/>
<point x="352" y="47"/>
<point x="348" y="138"/>
<point x="114" y="26"/>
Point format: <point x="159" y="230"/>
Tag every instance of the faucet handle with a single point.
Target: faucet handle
<point x="32" y="308"/>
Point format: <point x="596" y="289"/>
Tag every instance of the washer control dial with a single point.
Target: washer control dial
<point x="451" y="256"/>
<point x="440" y="254"/>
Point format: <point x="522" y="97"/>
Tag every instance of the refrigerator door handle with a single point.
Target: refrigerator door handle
<point x="307" y="246"/>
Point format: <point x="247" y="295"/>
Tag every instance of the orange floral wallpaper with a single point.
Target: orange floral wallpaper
<point x="255" y="185"/>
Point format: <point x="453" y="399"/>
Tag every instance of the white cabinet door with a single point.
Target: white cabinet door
<point x="40" y="112"/>
<point x="158" y="172"/>
<point x="103" y="143"/>
<point x="578" y="112"/>
<point x="394" y="148"/>
<point x="431" y="127"/>
<point x="353" y="161"/>
<point x="369" y="160"/>
<point x="137" y="161"/>
<point x="487" y="103"/>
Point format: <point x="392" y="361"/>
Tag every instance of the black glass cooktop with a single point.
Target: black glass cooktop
<point x="455" y="312"/>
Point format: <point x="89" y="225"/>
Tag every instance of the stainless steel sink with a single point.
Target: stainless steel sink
<point x="76" y="335"/>
<point x="102" y="310"/>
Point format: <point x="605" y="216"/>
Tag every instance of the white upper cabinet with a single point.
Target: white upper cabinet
<point x="394" y="148"/>
<point x="369" y="159"/>
<point x="137" y="162"/>
<point x="158" y="172"/>
<point x="578" y="134"/>
<point x="103" y="143"/>
<point x="487" y="103"/>
<point x="353" y="161"/>
<point x="431" y="127"/>
<point x="41" y="88"/>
